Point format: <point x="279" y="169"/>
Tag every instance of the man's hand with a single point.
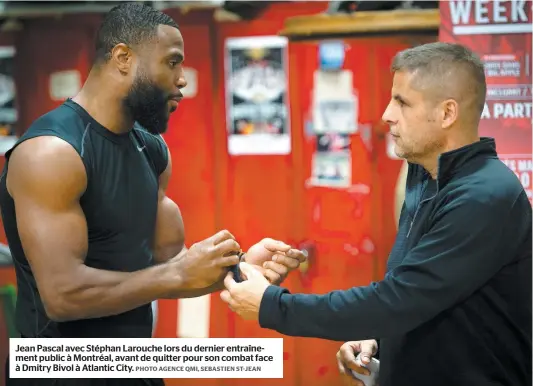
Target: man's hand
<point x="346" y="359"/>
<point x="245" y="298"/>
<point x="206" y="262"/>
<point x="275" y="258"/>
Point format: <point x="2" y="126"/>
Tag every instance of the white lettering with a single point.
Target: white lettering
<point x="486" y="112"/>
<point x="512" y="110"/>
<point x="499" y="12"/>
<point x="518" y="13"/>
<point x="505" y="92"/>
<point x="481" y="12"/>
<point x="511" y="164"/>
<point x="460" y="11"/>
<point x="525" y="165"/>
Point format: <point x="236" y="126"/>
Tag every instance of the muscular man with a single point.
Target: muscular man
<point x="94" y="237"/>
<point x="455" y="305"/>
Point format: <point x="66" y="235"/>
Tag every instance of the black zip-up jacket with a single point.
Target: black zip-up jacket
<point x="455" y="306"/>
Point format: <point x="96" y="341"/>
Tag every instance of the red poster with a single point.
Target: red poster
<point x="500" y="33"/>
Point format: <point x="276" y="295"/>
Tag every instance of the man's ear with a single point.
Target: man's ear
<point x="449" y="113"/>
<point x="122" y="57"/>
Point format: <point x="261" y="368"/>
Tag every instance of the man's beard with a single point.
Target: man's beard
<point x="148" y="105"/>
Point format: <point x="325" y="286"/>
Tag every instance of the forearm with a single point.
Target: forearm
<point x="339" y="315"/>
<point x="218" y="286"/>
<point x="97" y="293"/>
<point x="163" y="252"/>
<point x="390" y="307"/>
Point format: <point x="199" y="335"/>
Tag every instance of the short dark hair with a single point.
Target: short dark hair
<point x="445" y="65"/>
<point x="131" y="24"/>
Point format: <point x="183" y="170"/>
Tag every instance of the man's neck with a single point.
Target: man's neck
<point x="101" y="98"/>
<point x="431" y="163"/>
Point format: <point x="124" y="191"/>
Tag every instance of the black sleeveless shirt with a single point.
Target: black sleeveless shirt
<point x="120" y="205"/>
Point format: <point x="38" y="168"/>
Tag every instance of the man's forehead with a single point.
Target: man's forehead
<point x="169" y="37"/>
<point x="402" y="79"/>
<point x="411" y="83"/>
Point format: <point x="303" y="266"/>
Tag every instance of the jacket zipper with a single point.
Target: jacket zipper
<point x="418" y="208"/>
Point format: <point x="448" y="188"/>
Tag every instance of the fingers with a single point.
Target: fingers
<point x="347" y="377"/>
<point x="227" y="261"/>
<point x="359" y="369"/>
<point x="275" y="245"/>
<point x="340" y="365"/>
<point x="227" y="246"/>
<point x="229" y="283"/>
<point x="261" y="270"/>
<point x="368" y="349"/>
<point x="274" y="272"/>
<point x="273" y="277"/>
<point x="249" y="271"/>
<point x="226" y="298"/>
<point x="297" y="254"/>
<point x="289" y="262"/>
<point x="221" y="236"/>
<point x="347" y="355"/>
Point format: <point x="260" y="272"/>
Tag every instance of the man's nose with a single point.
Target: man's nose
<point x="387" y="116"/>
<point x="182" y="82"/>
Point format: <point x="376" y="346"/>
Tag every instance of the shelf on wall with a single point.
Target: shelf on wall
<point x="370" y="22"/>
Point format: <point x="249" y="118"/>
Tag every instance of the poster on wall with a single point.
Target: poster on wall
<point x="334" y="112"/>
<point x="257" y="105"/>
<point x="332" y="169"/>
<point x="332" y="161"/>
<point x="335" y="102"/>
<point x="500" y="33"/>
<point x="8" y="110"/>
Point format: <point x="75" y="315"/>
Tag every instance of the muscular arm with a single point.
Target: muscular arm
<point x="46" y="179"/>
<point x="170" y="234"/>
<point x="169" y="229"/>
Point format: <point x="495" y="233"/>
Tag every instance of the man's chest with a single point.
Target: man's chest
<point x="412" y="228"/>
<point x="122" y="194"/>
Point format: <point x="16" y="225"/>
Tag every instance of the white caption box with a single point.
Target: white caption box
<point x="146" y="358"/>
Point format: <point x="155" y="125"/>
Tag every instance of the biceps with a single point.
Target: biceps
<point x="169" y="231"/>
<point x="54" y="242"/>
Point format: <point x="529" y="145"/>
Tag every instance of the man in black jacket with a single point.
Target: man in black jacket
<point x="455" y="305"/>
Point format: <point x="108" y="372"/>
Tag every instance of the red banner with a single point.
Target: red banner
<point x="500" y="33"/>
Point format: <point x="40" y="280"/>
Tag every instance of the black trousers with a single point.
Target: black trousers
<point x="79" y="382"/>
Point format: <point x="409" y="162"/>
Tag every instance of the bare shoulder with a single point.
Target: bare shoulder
<point x="46" y="167"/>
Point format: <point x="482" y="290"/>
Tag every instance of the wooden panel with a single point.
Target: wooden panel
<point x="362" y="23"/>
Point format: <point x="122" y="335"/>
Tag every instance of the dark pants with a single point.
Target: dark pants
<point x="79" y="382"/>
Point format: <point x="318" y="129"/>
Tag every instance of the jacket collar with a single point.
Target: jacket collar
<point x="452" y="161"/>
<point x="449" y="164"/>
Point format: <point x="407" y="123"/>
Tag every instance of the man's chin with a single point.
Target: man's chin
<point x="156" y="127"/>
<point x="155" y="130"/>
